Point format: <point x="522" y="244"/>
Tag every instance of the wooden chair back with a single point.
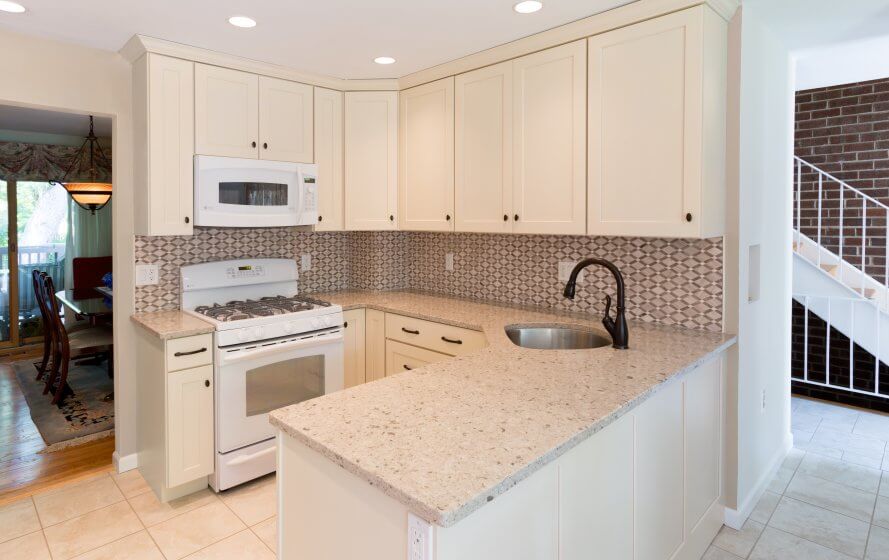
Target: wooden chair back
<point x="59" y="334"/>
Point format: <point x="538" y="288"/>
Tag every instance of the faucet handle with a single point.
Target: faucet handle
<point x="607" y="320"/>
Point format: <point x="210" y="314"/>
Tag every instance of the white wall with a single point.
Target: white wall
<point x="759" y="211"/>
<point x="45" y="74"/>
<point x="855" y="61"/>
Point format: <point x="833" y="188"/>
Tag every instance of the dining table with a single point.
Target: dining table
<point x="87" y="303"/>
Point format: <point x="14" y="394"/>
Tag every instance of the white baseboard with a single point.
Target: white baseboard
<point x="735" y="518"/>
<point x="126" y="462"/>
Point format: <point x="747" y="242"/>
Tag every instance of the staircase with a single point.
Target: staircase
<point x="841" y="285"/>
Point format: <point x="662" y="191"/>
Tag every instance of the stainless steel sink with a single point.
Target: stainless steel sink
<point x="555" y="338"/>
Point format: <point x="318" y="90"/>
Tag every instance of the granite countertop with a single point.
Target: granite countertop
<point x="446" y="438"/>
<point x="171" y="324"/>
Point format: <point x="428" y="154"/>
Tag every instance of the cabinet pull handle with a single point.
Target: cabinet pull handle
<point x="505" y="218"/>
<point x="391" y="218"/>
<point x="190" y="353"/>
<point x="206" y="382"/>
<point x="452" y="340"/>
<point x="408" y="331"/>
<point x="345" y="324"/>
<point x="407" y="367"/>
<point x="516" y="217"/>
<point x="688" y="217"/>
<point x="187" y="219"/>
<point x="253" y="144"/>
<point x="265" y="145"/>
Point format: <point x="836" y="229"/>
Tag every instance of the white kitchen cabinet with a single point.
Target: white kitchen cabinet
<point x="285" y="120"/>
<point x="226" y="112"/>
<point x="353" y="347"/>
<point x="375" y="344"/>
<point x="703" y="419"/>
<point x="190" y="430"/>
<point x="657" y="127"/>
<point x="371" y="154"/>
<point x="402" y="357"/>
<point x="163" y="106"/>
<point x="549" y="141"/>
<point x="426" y="157"/>
<point x="483" y="150"/>
<point x="329" y="158"/>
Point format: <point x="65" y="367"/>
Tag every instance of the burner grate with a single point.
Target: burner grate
<point x="238" y="310"/>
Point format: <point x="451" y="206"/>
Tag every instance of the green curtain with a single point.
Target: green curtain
<point x="89" y="235"/>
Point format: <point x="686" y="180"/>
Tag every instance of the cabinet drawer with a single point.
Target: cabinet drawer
<point x="446" y="339"/>
<point x="404" y="357"/>
<point x="189" y="352"/>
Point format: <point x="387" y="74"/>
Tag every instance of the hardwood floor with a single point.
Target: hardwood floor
<point x="23" y="469"/>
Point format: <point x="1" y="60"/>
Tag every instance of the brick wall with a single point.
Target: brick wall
<point x="844" y="130"/>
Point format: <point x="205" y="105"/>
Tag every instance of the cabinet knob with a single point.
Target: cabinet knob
<point x="265" y="145"/>
<point x="448" y="217"/>
<point x="253" y="144"/>
<point x="320" y="218"/>
<point x="688" y="217"/>
<point x="391" y="218"/>
<point x="206" y="382"/>
<point x="345" y="324"/>
<point x="516" y="217"/>
<point x="187" y="219"/>
<point x="505" y="218"/>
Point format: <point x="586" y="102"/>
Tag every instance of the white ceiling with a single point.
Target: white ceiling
<point x="50" y="122"/>
<point x="846" y="63"/>
<point x="337" y="38"/>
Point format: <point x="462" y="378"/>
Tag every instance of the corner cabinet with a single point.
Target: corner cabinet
<point x="163" y="115"/>
<point x="371" y="148"/>
<point x="657" y="94"/>
<point x="426" y="157"/>
<point x="329" y="158"/>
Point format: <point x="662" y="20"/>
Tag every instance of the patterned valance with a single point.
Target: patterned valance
<point x="21" y="161"/>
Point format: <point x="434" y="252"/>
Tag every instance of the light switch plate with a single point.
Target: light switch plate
<point x="147" y="275"/>
<point x="306" y="262"/>
<point x="449" y="261"/>
<point x="419" y="538"/>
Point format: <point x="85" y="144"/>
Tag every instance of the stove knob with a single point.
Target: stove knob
<point x="328" y="321"/>
<point x="288" y="328"/>
<point x="257" y="332"/>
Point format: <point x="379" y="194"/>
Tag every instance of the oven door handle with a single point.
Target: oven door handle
<point x="275" y="348"/>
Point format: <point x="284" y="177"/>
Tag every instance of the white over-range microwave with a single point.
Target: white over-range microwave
<point x="236" y="192"/>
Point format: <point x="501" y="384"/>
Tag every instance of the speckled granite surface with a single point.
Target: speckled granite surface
<point x="171" y="324"/>
<point x="446" y="438"/>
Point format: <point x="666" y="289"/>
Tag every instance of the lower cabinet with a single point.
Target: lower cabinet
<point x="375" y="344"/>
<point x="190" y="428"/>
<point x="353" y="352"/>
<point x="404" y="357"/>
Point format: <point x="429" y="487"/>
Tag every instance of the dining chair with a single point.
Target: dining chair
<point x="67" y="346"/>
<point x="48" y="331"/>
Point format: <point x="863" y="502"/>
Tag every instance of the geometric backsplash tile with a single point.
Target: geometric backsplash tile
<point x="670" y="281"/>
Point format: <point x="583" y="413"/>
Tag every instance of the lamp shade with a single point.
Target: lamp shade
<point x="83" y="180"/>
<point x="89" y="196"/>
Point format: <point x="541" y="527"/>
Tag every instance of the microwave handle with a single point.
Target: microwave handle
<point x="277" y="348"/>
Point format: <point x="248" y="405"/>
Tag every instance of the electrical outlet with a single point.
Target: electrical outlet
<point x="306" y="262"/>
<point x="565" y="268"/>
<point x="449" y="261"/>
<point x="419" y="538"/>
<point x="146" y="275"/>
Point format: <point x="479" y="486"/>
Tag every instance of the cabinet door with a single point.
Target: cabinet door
<point x="402" y="357"/>
<point x="226" y="112"/>
<point x="165" y="99"/>
<point x="374" y="344"/>
<point x="329" y="158"/>
<point x="285" y="120"/>
<point x="426" y="157"/>
<point x="190" y="425"/>
<point x="353" y="351"/>
<point x="483" y="150"/>
<point x="703" y="440"/>
<point x="645" y="157"/>
<point x="371" y="147"/>
<point x="549" y="141"/>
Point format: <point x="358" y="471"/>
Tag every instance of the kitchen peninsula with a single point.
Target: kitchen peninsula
<point x="509" y="452"/>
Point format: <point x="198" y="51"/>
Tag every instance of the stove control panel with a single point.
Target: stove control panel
<point x="245" y="271"/>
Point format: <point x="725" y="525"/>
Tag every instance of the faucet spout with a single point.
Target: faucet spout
<point x="617" y="325"/>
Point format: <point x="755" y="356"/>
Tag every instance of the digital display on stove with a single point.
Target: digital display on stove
<point x="248" y="267"/>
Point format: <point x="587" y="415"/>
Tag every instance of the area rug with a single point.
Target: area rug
<point x="83" y="416"/>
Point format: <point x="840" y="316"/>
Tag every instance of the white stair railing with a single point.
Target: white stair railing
<point x="824" y="211"/>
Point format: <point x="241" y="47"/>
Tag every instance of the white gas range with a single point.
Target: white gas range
<point x="272" y="348"/>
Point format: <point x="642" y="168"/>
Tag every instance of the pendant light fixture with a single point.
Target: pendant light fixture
<point x="87" y="188"/>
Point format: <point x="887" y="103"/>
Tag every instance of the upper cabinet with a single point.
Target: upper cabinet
<point x="483" y="150"/>
<point x="329" y="158"/>
<point x="657" y="95"/>
<point x="549" y="141"/>
<point x="520" y="144"/>
<point x="426" y="157"/>
<point x="238" y="114"/>
<point x="163" y="107"/>
<point x="371" y="147"/>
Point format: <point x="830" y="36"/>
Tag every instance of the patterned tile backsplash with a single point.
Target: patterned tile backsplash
<point x="670" y="281"/>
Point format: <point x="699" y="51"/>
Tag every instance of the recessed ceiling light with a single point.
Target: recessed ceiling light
<point x="11" y="7"/>
<point x="242" y="21"/>
<point x="528" y="6"/>
<point x="384" y="60"/>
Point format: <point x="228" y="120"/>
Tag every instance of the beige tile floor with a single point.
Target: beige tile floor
<point x="829" y="500"/>
<point x="111" y="516"/>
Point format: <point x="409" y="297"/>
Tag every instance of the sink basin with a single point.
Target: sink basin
<point x="556" y="338"/>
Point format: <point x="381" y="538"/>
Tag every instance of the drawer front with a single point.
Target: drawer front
<point x="446" y="339"/>
<point x="189" y="352"/>
<point x="404" y="357"/>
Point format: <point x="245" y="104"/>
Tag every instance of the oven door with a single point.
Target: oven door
<point x="234" y="192"/>
<point x="254" y="379"/>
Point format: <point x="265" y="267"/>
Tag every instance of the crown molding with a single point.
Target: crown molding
<point x="138" y="45"/>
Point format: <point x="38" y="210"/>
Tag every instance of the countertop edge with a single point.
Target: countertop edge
<point x="144" y="320"/>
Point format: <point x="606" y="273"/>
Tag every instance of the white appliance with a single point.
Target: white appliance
<point x="272" y="349"/>
<point x="235" y="192"/>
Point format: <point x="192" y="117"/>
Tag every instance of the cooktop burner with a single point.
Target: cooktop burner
<point x="274" y="305"/>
